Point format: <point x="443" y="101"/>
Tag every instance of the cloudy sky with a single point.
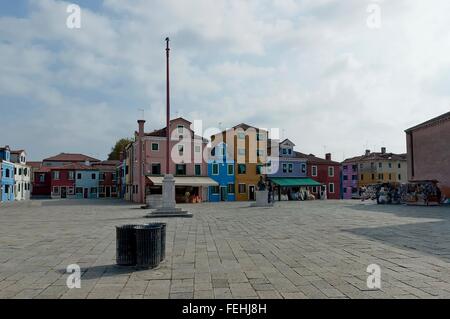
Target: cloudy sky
<point x="316" y="69"/>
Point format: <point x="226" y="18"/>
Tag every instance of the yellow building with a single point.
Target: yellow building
<point x="248" y="148"/>
<point x="381" y="167"/>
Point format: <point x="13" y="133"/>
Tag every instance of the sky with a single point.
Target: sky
<point x="334" y="76"/>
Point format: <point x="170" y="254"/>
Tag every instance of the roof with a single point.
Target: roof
<point x="73" y="166"/>
<point x="443" y="117"/>
<point x="162" y="133"/>
<point x="70" y="157"/>
<point x="185" y="181"/>
<point x="289" y="181"/>
<point x="4" y="148"/>
<point x="107" y="165"/>
<point x="18" y="152"/>
<point x="376" y="156"/>
<point x="34" y="164"/>
<point x="314" y="159"/>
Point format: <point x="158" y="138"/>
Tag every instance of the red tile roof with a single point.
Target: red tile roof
<point x="376" y="156"/>
<point x="34" y="165"/>
<point x="73" y="166"/>
<point x="70" y="157"/>
<point x="314" y="159"/>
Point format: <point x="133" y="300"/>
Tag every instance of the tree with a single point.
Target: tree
<point x="118" y="148"/>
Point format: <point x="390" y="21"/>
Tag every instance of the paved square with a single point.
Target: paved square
<point x="316" y="249"/>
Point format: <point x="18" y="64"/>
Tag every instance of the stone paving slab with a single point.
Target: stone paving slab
<point x="314" y="249"/>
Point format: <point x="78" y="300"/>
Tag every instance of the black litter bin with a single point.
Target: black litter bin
<point x="163" y="239"/>
<point x="148" y="245"/>
<point x="126" y="245"/>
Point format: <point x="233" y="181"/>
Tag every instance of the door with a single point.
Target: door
<point x="108" y="191"/>
<point x="223" y="193"/>
<point x="251" y="192"/>
<point x="63" y="192"/>
<point x="85" y="192"/>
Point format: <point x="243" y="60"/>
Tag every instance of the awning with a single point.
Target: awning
<point x="287" y="181"/>
<point x="185" y="181"/>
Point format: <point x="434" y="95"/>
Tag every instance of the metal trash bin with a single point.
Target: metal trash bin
<point x="126" y="245"/>
<point x="148" y="245"/>
<point x="163" y="239"/>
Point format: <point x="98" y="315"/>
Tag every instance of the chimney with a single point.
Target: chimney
<point x="328" y="156"/>
<point x="87" y="163"/>
<point x="141" y="128"/>
<point x="367" y="152"/>
<point x="383" y="150"/>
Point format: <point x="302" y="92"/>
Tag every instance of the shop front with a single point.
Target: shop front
<point x="287" y="188"/>
<point x="187" y="189"/>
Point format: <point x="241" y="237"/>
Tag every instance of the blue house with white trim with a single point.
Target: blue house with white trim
<point x="7" y="175"/>
<point x="87" y="182"/>
<point x="221" y="170"/>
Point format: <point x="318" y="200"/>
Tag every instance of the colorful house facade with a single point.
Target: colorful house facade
<point x="221" y="169"/>
<point x="22" y="175"/>
<point x="350" y="173"/>
<point x="186" y="162"/>
<point x="248" y="148"/>
<point x="7" y="175"/>
<point x="108" y="178"/>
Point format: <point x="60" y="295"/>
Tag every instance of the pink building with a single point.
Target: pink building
<point x="186" y="162"/>
<point x="428" y="146"/>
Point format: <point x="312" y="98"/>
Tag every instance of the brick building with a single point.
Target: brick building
<point x="428" y="146"/>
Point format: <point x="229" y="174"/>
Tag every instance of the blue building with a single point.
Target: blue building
<point x="7" y="175"/>
<point x="87" y="182"/>
<point x="221" y="170"/>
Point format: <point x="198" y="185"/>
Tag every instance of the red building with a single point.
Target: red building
<point x="41" y="182"/>
<point x="108" y="182"/>
<point x="428" y="146"/>
<point x="63" y="181"/>
<point x="326" y="172"/>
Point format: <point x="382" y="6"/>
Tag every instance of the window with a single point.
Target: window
<point x="241" y="135"/>
<point x="345" y="177"/>
<point x="380" y="165"/>
<point x="7" y="173"/>
<point x="331" y="188"/>
<point x="242" y="168"/>
<point x="71" y="175"/>
<point x="314" y="171"/>
<point x="156" y="169"/>
<point x="314" y="189"/>
<point x="284" y="151"/>
<point x="55" y="175"/>
<point x="289" y="151"/>
<point x="381" y="176"/>
<point x="15" y="170"/>
<point x="373" y="176"/>
<point x="79" y="190"/>
<point x="93" y="176"/>
<point x="180" y="150"/>
<point x="399" y="177"/>
<point x="362" y="177"/>
<point x="242" y="188"/>
<point x="260" y="137"/>
<point x="155" y="147"/>
<point x="284" y="168"/>
<point x="55" y="190"/>
<point x="20" y="171"/>
<point x="180" y="129"/>
<point x="361" y="166"/>
<point x="331" y="171"/>
<point x="197" y="149"/>
<point x="290" y="168"/>
<point x="215" y="169"/>
<point x="241" y="151"/>
<point x="93" y="190"/>
<point x="42" y="178"/>
<point x="25" y="171"/>
<point x="344" y="167"/>
<point x="79" y="176"/>
<point x="345" y="190"/>
<point x="181" y="169"/>
<point x="399" y="165"/>
<point x="303" y="168"/>
<point x="390" y="165"/>
<point x="354" y="177"/>
<point x="259" y="153"/>
<point x="230" y="188"/>
<point x="390" y="176"/>
<point x="102" y="176"/>
<point x="113" y="176"/>
<point x="198" y="169"/>
<point x="214" y="189"/>
<point x="230" y="169"/>
<point x="113" y="189"/>
<point x="258" y="169"/>
<point x="354" y="167"/>
<point x="101" y="189"/>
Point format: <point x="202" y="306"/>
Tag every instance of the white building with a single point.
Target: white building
<point x="22" y="175"/>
